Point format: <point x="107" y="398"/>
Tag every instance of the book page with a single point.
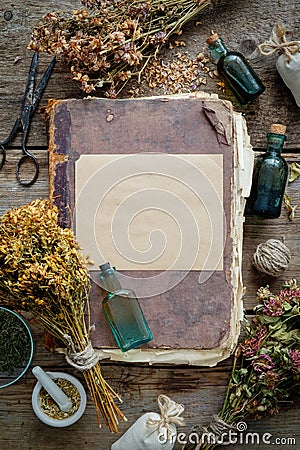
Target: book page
<point x="151" y="211"/>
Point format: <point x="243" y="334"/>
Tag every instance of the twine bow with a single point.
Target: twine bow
<point x="278" y="43"/>
<point x="84" y="360"/>
<point x="170" y="412"/>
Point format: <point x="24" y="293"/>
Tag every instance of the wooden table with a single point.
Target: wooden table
<point x="243" y="25"/>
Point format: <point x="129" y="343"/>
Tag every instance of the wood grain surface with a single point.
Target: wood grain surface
<point x="243" y="25"/>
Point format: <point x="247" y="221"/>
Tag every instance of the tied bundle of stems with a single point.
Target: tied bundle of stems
<point x="112" y="40"/>
<point x="266" y="368"/>
<point x="43" y="271"/>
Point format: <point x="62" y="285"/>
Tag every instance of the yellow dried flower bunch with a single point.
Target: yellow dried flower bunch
<point x="43" y="271"/>
<point x="39" y="258"/>
<point x="110" y="41"/>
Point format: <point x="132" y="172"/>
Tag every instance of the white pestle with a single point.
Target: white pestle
<point x="53" y="390"/>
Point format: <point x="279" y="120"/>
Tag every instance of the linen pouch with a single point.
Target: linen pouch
<point x="153" y="431"/>
<point x="288" y="63"/>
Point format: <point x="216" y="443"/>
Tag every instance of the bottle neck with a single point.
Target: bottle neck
<point x="218" y="48"/>
<point x="275" y="143"/>
<point x="110" y="280"/>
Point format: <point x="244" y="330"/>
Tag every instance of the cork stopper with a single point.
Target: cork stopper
<point x="212" y="38"/>
<point x="277" y="128"/>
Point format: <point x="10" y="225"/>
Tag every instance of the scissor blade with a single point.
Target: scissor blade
<point x="29" y="91"/>
<point x="42" y="85"/>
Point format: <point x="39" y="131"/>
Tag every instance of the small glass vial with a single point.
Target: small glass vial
<point x="269" y="179"/>
<point x="123" y="312"/>
<point x="236" y="72"/>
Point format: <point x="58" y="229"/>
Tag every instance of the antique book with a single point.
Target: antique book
<point x="156" y="186"/>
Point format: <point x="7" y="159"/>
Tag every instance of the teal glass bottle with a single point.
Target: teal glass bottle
<point x="269" y="178"/>
<point x="235" y="71"/>
<point x="123" y="312"/>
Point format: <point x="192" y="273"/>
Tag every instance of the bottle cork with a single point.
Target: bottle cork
<point x="212" y="38"/>
<point x="277" y="128"/>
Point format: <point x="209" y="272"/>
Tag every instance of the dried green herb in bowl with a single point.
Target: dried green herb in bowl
<point x="16" y="347"/>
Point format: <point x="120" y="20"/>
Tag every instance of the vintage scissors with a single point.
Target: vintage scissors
<point x="31" y="100"/>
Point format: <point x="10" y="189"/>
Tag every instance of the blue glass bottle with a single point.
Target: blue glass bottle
<point x="123" y="312"/>
<point x="235" y="71"/>
<point x="269" y="178"/>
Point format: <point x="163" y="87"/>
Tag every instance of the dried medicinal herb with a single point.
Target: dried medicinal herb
<point x="43" y="271"/>
<point x="15" y="344"/>
<point x="112" y="40"/>
<point x="266" y="368"/>
<point x="48" y="405"/>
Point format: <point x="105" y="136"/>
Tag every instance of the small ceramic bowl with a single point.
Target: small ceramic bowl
<point x="35" y="400"/>
<point x="6" y="379"/>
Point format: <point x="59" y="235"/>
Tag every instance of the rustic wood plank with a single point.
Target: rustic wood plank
<point x="201" y="390"/>
<point x="253" y="26"/>
<point x="12" y="194"/>
<point x="32" y="434"/>
<point x="242" y="25"/>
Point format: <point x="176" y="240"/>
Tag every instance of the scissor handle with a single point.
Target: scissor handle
<point x="27" y="156"/>
<point x="2" y="155"/>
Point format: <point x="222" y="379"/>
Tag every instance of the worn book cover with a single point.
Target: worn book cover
<point x="156" y="186"/>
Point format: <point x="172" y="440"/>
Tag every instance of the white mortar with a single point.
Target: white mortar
<point x="59" y="422"/>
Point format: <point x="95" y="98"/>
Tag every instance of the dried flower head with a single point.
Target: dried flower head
<point x="290" y="284"/>
<point x="289" y="295"/>
<point x="269" y="379"/>
<point x="295" y="360"/>
<point x="262" y="363"/>
<point x="263" y="293"/>
<point x="250" y="347"/>
<point x="273" y="306"/>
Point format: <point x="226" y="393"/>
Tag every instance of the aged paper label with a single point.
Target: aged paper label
<point x="151" y="211"/>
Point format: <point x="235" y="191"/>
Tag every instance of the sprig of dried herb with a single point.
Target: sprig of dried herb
<point x="112" y="40"/>
<point x="15" y="344"/>
<point x="43" y="271"/>
<point x="266" y="369"/>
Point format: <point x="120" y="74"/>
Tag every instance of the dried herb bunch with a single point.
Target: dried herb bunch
<point x="266" y="369"/>
<point x="111" y="40"/>
<point x="43" y="271"/>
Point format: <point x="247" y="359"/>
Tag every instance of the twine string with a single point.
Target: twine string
<point x="170" y="412"/>
<point x="84" y="360"/>
<point x="217" y="428"/>
<point x="279" y="43"/>
<point x="271" y="257"/>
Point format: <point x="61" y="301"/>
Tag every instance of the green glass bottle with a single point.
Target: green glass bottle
<point x="123" y="312"/>
<point x="269" y="179"/>
<point x="235" y="71"/>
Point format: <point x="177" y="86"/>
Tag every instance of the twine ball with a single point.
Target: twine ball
<point x="271" y="257"/>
